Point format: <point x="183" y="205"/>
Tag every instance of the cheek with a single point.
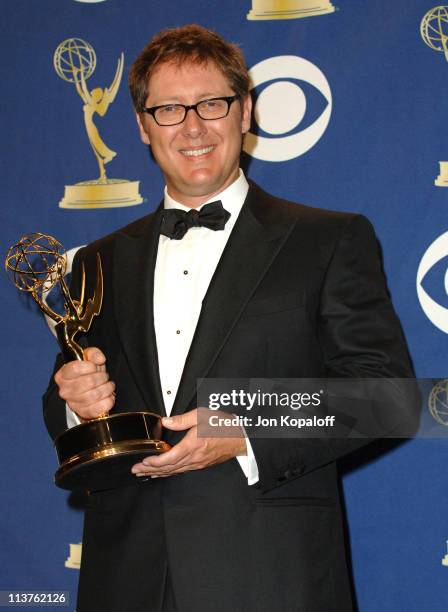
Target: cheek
<point x="161" y="150"/>
<point x="161" y="141"/>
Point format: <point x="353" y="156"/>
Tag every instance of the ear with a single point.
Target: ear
<point x="246" y="111"/>
<point x="141" y="128"/>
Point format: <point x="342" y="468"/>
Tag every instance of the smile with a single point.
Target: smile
<point x="197" y="152"/>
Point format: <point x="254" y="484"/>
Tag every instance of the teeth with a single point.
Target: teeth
<point x="197" y="152"/>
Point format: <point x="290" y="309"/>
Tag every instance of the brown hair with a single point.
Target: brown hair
<point x="189" y="43"/>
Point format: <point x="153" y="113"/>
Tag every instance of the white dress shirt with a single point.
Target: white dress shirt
<point x="183" y="271"/>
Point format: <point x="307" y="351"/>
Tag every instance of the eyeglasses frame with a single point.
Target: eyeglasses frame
<point x="187" y="107"/>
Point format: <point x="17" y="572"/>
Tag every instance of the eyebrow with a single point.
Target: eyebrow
<point x="176" y="100"/>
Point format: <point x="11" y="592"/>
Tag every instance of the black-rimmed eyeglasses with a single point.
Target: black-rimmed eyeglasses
<point x="173" y="114"/>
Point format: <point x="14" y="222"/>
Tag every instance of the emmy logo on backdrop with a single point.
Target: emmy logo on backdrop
<point x="445" y="558"/>
<point x="75" y="61"/>
<point x="288" y="9"/>
<point x="73" y="561"/>
<point x="438" y="402"/>
<point x="434" y="31"/>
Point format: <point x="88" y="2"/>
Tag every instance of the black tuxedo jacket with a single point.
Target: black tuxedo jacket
<point x="299" y="292"/>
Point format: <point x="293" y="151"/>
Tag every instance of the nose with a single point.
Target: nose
<point x="193" y="125"/>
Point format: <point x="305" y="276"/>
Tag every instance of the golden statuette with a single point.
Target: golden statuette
<point x="75" y="61"/>
<point x="97" y="453"/>
<point x="288" y="9"/>
<point x="36" y="263"/>
<point x="434" y="32"/>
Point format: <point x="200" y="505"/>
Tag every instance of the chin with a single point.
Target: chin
<point x="202" y="185"/>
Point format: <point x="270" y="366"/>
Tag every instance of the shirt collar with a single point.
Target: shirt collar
<point x="232" y="198"/>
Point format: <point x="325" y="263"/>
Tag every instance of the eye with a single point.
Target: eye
<point x="212" y="106"/>
<point x="432" y="282"/>
<point x="211" y="103"/>
<point x="169" y="109"/>
<point x="292" y="108"/>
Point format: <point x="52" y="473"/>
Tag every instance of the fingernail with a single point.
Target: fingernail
<point x="167" y="420"/>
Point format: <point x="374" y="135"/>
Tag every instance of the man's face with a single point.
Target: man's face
<point x="198" y="158"/>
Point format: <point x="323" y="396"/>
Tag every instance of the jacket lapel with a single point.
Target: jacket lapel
<point x="257" y="237"/>
<point x="134" y="262"/>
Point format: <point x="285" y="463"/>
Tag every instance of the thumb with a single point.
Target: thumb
<point x="180" y="422"/>
<point x="94" y="355"/>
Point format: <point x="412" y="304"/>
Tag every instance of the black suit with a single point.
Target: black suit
<point x="298" y="292"/>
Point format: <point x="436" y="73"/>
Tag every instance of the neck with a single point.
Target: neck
<point x="195" y="201"/>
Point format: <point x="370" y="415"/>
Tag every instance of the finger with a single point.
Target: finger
<point x="140" y="474"/>
<point x="73" y="370"/>
<point x="96" y="410"/>
<point x="80" y="385"/>
<point x="153" y="465"/>
<point x="177" y="454"/>
<point x="180" y="469"/>
<point x="75" y="390"/>
<point x="181" y="422"/>
<point x="97" y="394"/>
<point x="164" y="462"/>
<point x="95" y="355"/>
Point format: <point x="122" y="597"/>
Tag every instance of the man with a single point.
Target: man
<point x="278" y="290"/>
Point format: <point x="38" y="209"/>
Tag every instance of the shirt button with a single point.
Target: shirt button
<point x="168" y="392"/>
<point x="185" y="271"/>
<point x="177" y="331"/>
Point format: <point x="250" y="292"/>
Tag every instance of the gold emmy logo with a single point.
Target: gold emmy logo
<point x="438" y="402"/>
<point x="445" y="558"/>
<point x="288" y="9"/>
<point x="73" y="561"/>
<point x="75" y="61"/>
<point x="434" y="31"/>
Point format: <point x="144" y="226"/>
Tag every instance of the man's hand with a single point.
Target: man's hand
<point x="193" y="452"/>
<point x="85" y="385"/>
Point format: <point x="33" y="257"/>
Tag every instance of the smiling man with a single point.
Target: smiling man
<point x="199" y="154"/>
<point x="221" y="281"/>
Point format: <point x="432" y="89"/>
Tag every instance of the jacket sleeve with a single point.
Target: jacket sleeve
<point x="359" y="336"/>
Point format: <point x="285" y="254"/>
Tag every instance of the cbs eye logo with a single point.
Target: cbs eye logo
<point x="433" y="273"/>
<point x="282" y="106"/>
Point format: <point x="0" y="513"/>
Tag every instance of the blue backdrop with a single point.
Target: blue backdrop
<point x="374" y="96"/>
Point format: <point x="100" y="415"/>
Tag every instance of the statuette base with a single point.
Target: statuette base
<point x="98" y="454"/>
<point x="288" y="9"/>
<point x="442" y="179"/>
<point x="110" y="193"/>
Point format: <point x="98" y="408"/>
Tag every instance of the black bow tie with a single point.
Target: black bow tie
<point x="177" y="222"/>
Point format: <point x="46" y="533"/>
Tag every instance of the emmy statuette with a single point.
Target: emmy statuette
<point x="288" y="9"/>
<point x="98" y="453"/>
<point x="75" y="61"/>
<point x="434" y="32"/>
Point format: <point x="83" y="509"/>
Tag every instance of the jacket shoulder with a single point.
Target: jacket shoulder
<point x="274" y="209"/>
<point x="106" y="243"/>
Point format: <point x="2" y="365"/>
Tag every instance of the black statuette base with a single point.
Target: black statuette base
<point x="99" y="454"/>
